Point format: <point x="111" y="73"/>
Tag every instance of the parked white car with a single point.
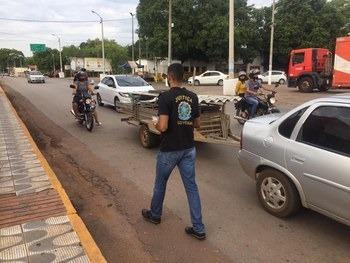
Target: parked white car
<point x="276" y="77"/>
<point x="116" y="88"/>
<point x="209" y="78"/>
<point x="35" y="77"/>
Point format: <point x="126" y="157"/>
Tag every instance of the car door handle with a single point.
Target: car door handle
<point x="298" y="159"/>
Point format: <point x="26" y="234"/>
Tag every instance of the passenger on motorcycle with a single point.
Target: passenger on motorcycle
<point x="241" y="86"/>
<point x="82" y="89"/>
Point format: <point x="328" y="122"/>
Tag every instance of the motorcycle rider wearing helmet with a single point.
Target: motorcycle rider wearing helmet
<point x="241" y="86"/>
<point x="253" y="86"/>
<point x="82" y="87"/>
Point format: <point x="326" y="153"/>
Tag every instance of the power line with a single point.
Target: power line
<point x="59" y="21"/>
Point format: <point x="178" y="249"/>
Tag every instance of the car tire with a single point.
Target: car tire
<point x="277" y="194"/>
<point x="116" y="107"/>
<point x="306" y="85"/>
<point x="147" y="138"/>
<point x="99" y="100"/>
<point x="196" y="82"/>
<point x="282" y="82"/>
<point x="220" y="82"/>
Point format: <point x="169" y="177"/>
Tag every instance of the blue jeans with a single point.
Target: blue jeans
<point x="185" y="161"/>
<point x="253" y="103"/>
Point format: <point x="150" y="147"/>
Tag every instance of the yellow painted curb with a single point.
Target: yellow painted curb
<point x="91" y="248"/>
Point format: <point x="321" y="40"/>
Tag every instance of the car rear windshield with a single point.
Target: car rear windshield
<point x="35" y="73"/>
<point x="128" y="81"/>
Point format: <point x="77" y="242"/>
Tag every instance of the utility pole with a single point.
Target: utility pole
<point x="103" y="41"/>
<point x="139" y="50"/>
<point x="271" y="42"/>
<point x="132" y="34"/>
<point x="231" y="60"/>
<point x="53" y="60"/>
<point x="60" y="51"/>
<point x="170" y="33"/>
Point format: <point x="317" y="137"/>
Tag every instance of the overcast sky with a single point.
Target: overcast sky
<point x="19" y="35"/>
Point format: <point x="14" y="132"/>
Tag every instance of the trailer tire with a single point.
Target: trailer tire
<point x="306" y="85"/>
<point x="147" y="138"/>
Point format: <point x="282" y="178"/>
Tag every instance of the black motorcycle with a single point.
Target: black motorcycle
<point x="86" y="108"/>
<point x="266" y="106"/>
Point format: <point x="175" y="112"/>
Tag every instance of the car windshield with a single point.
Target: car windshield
<point x="35" y="73"/>
<point x="129" y="81"/>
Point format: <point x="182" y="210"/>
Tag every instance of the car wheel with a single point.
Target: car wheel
<point x="220" y="82"/>
<point x="306" y="84"/>
<point x="147" y="138"/>
<point x="260" y="80"/>
<point x="277" y="194"/>
<point x="196" y="82"/>
<point x="116" y="107"/>
<point x="99" y="99"/>
<point x="282" y="82"/>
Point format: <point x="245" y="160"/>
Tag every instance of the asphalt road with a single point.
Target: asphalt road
<point x="236" y="224"/>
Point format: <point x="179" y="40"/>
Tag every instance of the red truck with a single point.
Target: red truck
<point x="315" y="68"/>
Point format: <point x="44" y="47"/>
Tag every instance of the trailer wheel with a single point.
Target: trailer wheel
<point x="147" y="138"/>
<point x="306" y="85"/>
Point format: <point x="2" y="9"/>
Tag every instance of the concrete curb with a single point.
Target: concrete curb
<point x="92" y="250"/>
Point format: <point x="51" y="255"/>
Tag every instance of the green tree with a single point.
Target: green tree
<point x="10" y="58"/>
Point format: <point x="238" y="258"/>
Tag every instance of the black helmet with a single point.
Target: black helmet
<point x="82" y="76"/>
<point x="253" y="74"/>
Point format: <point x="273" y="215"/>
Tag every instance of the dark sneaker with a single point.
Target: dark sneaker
<point x="190" y="231"/>
<point x="148" y="217"/>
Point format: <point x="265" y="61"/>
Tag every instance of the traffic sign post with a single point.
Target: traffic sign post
<point x="37" y="48"/>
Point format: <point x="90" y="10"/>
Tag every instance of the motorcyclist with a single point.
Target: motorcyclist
<point x="82" y="89"/>
<point x="253" y="87"/>
<point x="241" y="86"/>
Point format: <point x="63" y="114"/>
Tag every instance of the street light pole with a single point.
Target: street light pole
<point x="271" y="42"/>
<point x="60" y="51"/>
<point x="170" y="33"/>
<point x="231" y="60"/>
<point x="53" y="60"/>
<point x="103" y="42"/>
<point x="132" y="35"/>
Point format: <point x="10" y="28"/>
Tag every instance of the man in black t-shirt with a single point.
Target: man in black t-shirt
<point x="178" y="116"/>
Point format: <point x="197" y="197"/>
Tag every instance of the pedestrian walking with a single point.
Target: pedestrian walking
<point x="178" y="115"/>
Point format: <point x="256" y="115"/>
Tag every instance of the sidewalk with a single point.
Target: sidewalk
<point x="37" y="220"/>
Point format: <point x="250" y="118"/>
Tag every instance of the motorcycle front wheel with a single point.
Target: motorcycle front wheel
<point x="89" y="121"/>
<point x="243" y="116"/>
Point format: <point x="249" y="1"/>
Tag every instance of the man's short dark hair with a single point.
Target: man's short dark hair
<point x="176" y="71"/>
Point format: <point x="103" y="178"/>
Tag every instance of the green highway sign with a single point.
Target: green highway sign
<point x="37" y="47"/>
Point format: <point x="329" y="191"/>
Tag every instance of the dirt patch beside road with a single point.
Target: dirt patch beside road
<point x="111" y="210"/>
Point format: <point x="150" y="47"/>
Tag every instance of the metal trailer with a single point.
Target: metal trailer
<point x="215" y="123"/>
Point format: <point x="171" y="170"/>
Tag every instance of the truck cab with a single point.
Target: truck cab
<point x="309" y="69"/>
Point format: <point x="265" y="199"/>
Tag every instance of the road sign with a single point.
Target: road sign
<point x="37" y="47"/>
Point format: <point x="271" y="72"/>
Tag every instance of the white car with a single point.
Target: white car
<point x="116" y="88"/>
<point x="209" y="78"/>
<point x="276" y="77"/>
<point x="35" y="77"/>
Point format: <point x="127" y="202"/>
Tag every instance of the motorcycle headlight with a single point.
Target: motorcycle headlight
<point x="273" y="100"/>
<point x="88" y="101"/>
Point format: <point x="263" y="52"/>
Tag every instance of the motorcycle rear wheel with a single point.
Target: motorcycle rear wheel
<point x="242" y="114"/>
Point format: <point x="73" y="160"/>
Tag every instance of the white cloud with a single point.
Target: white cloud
<point x="20" y="35"/>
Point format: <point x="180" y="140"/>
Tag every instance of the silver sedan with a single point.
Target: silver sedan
<point x="302" y="158"/>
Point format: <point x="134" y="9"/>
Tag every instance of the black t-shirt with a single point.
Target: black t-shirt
<point x="182" y="108"/>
